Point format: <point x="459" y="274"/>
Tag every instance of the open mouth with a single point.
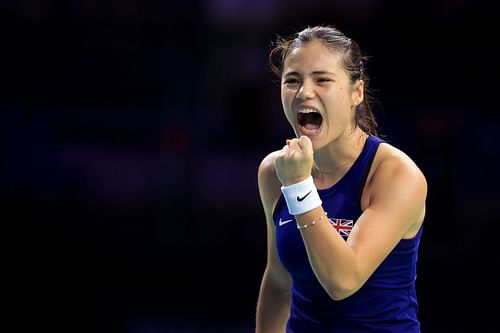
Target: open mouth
<point x="310" y="121"/>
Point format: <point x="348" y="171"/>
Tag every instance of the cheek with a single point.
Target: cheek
<point x="344" y="96"/>
<point x="342" y="101"/>
<point x="286" y="106"/>
<point x="286" y="101"/>
<point x="286" y="94"/>
<point x="283" y="99"/>
<point x="340" y="111"/>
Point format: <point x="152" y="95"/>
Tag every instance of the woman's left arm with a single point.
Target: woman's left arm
<point x="395" y="205"/>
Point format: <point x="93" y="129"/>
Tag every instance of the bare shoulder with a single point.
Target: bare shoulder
<point x="394" y="160"/>
<point x="266" y="166"/>
<point x="392" y="169"/>
<point x="269" y="184"/>
<point x="397" y="186"/>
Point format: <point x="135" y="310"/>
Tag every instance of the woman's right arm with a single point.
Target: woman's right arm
<point x="273" y="306"/>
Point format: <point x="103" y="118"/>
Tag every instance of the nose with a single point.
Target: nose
<point x="306" y="91"/>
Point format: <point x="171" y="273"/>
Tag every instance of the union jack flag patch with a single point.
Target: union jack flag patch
<point x="343" y="226"/>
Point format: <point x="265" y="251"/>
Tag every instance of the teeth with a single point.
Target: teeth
<point x="307" y="111"/>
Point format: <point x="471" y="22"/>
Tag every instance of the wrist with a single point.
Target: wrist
<point x="301" y="197"/>
<point x="290" y="182"/>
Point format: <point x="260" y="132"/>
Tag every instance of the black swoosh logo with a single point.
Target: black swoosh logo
<point x="299" y="199"/>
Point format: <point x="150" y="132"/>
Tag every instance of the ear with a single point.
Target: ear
<point x="358" y="92"/>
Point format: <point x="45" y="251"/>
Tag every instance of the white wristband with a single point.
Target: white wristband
<point x="301" y="197"/>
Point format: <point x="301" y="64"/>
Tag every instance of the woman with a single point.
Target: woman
<point x="344" y="209"/>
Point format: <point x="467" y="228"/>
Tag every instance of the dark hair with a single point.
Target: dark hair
<point x="353" y="63"/>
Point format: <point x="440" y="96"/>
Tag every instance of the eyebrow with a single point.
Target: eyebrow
<point x="313" y="73"/>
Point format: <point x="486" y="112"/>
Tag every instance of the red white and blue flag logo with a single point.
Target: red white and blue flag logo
<point x="343" y="226"/>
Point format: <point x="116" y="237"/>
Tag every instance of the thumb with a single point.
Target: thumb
<point x="306" y="144"/>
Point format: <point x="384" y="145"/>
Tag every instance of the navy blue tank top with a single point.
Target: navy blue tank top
<point x="387" y="302"/>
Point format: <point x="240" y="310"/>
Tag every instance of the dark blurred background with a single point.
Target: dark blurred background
<point x="132" y="131"/>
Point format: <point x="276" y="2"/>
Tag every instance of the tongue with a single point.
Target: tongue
<point x="310" y="126"/>
<point x="310" y="130"/>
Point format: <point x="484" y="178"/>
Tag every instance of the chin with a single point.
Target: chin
<point x="317" y="143"/>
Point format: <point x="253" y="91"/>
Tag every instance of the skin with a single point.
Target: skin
<point x="393" y="200"/>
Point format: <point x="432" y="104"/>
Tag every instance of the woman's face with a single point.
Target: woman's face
<point x="317" y="96"/>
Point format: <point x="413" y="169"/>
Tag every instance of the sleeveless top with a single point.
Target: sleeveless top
<point x="387" y="302"/>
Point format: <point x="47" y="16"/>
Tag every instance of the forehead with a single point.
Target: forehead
<point x="313" y="56"/>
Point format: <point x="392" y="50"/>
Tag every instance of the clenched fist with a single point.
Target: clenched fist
<point x="294" y="162"/>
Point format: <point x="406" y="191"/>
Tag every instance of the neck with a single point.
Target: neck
<point x="337" y="157"/>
